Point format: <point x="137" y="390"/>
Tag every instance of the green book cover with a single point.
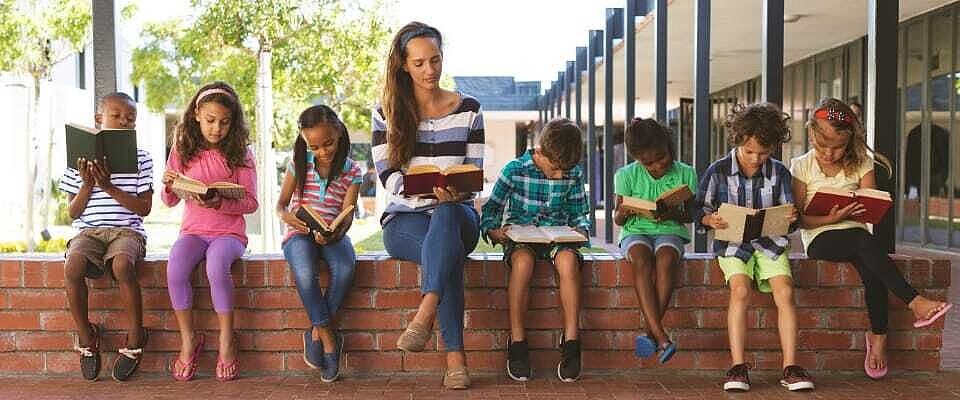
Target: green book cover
<point x="118" y="145"/>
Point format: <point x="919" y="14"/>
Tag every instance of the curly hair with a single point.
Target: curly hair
<point x="233" y="147"/>
<point x="857" y="149"/>
<point x="764" y="122"/>
<point x="561" y="142"/>
<point x="649" y="135"/>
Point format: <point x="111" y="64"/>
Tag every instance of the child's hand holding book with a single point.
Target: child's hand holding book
<point x="294" y="223"/>
<point x="498" y="236"/>
<point x="838" y="214"/>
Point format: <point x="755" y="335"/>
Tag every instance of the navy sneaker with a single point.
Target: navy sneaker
<point x="312" y="350"/>
<point x="331" y="361"/>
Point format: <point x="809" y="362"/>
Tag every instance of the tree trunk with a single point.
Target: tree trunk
<point x="31" y="164"/>
<point x="266" y="165"/>
<point x="46" y="173"/>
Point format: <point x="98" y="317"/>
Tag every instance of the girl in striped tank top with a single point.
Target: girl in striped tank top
<point x="322" y="177"/>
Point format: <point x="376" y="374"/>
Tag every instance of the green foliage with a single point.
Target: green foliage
<point x="55" y="245"/>
<point x="323" y="51"/>
<point x="37" y="34"/>
<point x="61" y="203"/>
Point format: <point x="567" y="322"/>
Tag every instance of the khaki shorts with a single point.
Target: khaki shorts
<point x="759" y="269"/>
<point x="100" y="245"/>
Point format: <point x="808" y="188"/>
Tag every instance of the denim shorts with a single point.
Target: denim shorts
<point x="652" y="242"/>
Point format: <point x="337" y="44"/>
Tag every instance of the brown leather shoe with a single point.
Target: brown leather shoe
<point x="414" y="338"/>
<point x="456" y="379"/>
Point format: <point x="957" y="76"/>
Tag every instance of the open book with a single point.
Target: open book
<point x="875" y="202"/>
<point x="186" y="187"/>
<point x="119" y="146"/>
<point x="315" y="222"/>
<point x="544" y="234"/>
<point x="421" y="179"/>
<point x="746" y="224"/>
<point x="672" y="198"/>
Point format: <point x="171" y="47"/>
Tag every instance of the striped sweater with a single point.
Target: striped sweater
<point x="456" y="138"/>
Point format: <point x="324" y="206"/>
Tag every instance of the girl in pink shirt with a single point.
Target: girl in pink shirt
<point x="211" y="146"/>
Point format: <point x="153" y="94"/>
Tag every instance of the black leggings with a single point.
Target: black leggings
<point x="877" y="271"/>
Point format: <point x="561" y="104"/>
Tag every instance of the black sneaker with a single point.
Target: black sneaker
<point x="796" y="378"/>
<point x="738" y="378"/>
<point x="90" y="356"/>
<point x="570" y="363"/>
<point x="518" y="361"/>
<point x="129" y="359"/>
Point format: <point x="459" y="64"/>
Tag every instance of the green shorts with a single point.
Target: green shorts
<point x="759" y="268"/>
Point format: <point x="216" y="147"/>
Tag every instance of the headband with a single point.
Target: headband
<point x="833" y="114"/>
<point x="210" y="91"/>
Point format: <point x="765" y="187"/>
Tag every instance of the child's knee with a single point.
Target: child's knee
<point x="124" y="270"/>
<point x="783" y="295"/>
<point x="75" y="269"/>
<point x="567" y="264"/>
<point x="739" y="292"/>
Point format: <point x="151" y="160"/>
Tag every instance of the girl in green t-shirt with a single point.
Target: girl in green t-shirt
<point x="654" y="242"/>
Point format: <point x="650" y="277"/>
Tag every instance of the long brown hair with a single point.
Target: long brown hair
<point x="398" y="104"/>
<point x="309" y="118"/>
<point x="233" y="147"/>
<point x="845" y="122"/>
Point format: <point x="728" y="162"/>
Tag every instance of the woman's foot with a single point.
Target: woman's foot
<point x="926" y="311"/>
<point x="187" y="347"/>
<point x="878" y="350"/>
<point x="227" y="366"/>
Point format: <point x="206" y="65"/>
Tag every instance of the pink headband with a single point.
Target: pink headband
<point x="210" y="91"/>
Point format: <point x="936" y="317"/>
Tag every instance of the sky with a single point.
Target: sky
<point x="526" y="39"/>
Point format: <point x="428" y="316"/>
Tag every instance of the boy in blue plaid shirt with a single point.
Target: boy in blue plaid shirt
<point x="749" y="177"/>
<point x="544" y="187"/>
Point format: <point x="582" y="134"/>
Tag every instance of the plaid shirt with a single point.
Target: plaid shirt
<point x="530" y="198"/>
<point x="724" y="183"/>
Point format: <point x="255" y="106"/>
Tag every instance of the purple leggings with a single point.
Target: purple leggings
<point x="187" y="252"/>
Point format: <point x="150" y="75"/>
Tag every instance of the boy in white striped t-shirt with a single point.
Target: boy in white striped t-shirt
<point x="108" y="210"/>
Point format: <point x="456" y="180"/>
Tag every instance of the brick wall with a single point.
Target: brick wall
<point x="36" y="330"/>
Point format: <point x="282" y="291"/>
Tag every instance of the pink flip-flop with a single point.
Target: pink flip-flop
<point x="873" y="373"/>
<point x="190" y="367"/>
<point x="920" y="323"/>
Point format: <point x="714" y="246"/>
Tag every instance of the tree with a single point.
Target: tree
<point x="36" y="35"/>
<point x="303" y="51"/>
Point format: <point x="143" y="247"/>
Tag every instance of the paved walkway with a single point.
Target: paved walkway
<point x="899" y="385"/>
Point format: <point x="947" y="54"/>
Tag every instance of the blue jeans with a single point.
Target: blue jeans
<point x="450" y="233"/>
<point x="303" y="254"/>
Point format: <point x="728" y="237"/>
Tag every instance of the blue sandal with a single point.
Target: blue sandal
<point x="667" y="352"/>
<point x="644" y="347"/>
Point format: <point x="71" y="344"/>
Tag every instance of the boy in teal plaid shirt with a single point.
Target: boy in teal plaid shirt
<point x="544" y="187"/>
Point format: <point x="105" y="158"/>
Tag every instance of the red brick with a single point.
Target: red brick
<point x="824" y="340"/>
<point x="712" y="360"/>
<point x="609" y="319"/>
<point x="940" y="273"/>
<point x="404" y="298"/>
<point x="409" y="275"/>
<point x="44" y="341"/>
<point x="486" y="319"/>
<point x="679" y="319"/>
<point x="495" y="274"/>
<point x="33" y="274"/>
<point x="296" y="319"/>
<point x="540" y="319"/>
<point x="915" y="359"/>
<point x="598" y="298"/>
<point x="363" y="320"/>
<point x="255" y="319"/>
<point x="610" y="359"/>
<point x="807" y="318"/>
<point x="68" y="362"/>
<point x="16" y="320"/>
<point x="700" y="297"/>
<point x="357" y="341"/>
<point x="423" y="361"/>
<point x="254" y="273"/>
<point x="20" y="363"/>
<point x="276" y="298"/>
<point x="294" y="362"/>
<point x="828" y="297"/>
<point x="358" y="298"/>
<point x="805" y="274"/>
<point x="373" y="361"/>
<point x="706" y="339"/>
<point x="278" y="272"/>
<point x="154" y="299"/>
<point x="919" y="275"/>
<point x="837" y="274"/>
<point x="26" y="299"/>
<point x="10" y="273"/>
<point x="486" y="299"/>
<point x="487" y="361"/>
<point x="7" y="342"/>
<point x="715" y="318"/>
<point x="540" y="298"/>
<point x="287" y="340"/>
<point x="848" y="320"/>
<point x="697" y="272"/>
<point x="588" y="274"/>
<point x="473" y="273"/>
<point x="476" y="340"/>
<point x="381" y="274"/>
<point x="929" y="341"/>
<point x="254" y="361"/>
<point x="608" y="340"/>
<point x="608" y="273"/>
<point x="53" y="275"/>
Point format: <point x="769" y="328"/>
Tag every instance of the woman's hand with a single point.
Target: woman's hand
<point x="838" y="214"/>
<point x="714" y="221"/>
<point x="449" y="194"/>
<point x="293" y="222"/>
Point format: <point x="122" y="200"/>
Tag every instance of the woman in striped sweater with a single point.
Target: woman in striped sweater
<point x="419" y="123"/>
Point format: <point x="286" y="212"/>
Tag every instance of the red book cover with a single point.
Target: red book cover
<point x="876" y="203"/>
<point x="420" y="180"/>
